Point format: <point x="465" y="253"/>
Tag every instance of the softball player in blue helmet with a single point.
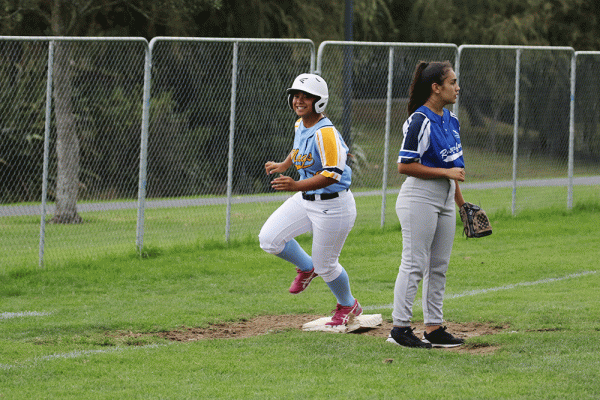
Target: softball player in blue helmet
<point x="432" y="158"/>
<point x="323" y="203"/>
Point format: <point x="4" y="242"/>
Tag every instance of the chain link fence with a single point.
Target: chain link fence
<point x="70" y="122"/>
<point x="22" y="103"/>
<point x="368" y="97"/>
<point x="145" y="146"/>
<point x="218" y="113"/>
<point x="586" y="144"/>
<point x="515" y="113"/>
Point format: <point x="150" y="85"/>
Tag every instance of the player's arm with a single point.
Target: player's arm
<point x="458" y="197"/>
<point x="274" y="167"/>
<point x="286" y="183"/>
<point x="332" y="157"/>
<point x="421" y="171"/>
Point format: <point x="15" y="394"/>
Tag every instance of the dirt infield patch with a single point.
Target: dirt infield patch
<point x="279" y="323"/>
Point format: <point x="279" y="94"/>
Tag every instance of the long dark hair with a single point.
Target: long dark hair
<point x="425" y="75"/>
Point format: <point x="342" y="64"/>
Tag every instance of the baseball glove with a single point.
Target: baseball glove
<point x="475" y="221"/>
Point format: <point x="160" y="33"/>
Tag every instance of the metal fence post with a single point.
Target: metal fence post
<point x="139" y="237"/>
<point x="234" y="67"/>
<point x="388" y="121"/>
<point x="516" y="131"/>
<point x="571" y="160"/>
<point x="456" y="106"/>
<point x="47" y="124"/>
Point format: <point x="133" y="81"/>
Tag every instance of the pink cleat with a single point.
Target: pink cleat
<point x="343" y="314"/>
<point x="302" y="280"/>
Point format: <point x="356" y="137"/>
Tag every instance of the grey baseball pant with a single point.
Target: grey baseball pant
<point x="427" y="216"/>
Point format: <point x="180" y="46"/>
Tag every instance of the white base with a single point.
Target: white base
<point x="362" y="321"/>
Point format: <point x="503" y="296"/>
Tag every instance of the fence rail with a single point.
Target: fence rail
<point x="133" y="127"/>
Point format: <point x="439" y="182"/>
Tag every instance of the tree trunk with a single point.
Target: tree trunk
<point x="67" y="142"/>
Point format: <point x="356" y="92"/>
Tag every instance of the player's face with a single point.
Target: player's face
<point x="303" y="103"/>
<point x="449" y="89"/>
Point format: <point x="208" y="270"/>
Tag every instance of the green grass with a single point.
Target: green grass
<point x="524" y="276"/>
<point x="113" y="233"/>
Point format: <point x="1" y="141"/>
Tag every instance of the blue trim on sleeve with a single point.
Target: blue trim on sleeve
<point x="415" y="128"/>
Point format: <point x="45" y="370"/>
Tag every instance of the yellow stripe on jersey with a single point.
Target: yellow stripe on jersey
<point x="329" y="148"/>
<point x="330" y="175"/>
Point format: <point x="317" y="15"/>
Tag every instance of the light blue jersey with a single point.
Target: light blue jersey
<point x="321" y="149"/>
<point x="432" y="140"/>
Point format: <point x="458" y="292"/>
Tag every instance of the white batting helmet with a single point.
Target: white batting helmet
<point x="311" y="84"/>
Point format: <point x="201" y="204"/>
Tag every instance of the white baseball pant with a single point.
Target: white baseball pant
<point x="329" y="220"/>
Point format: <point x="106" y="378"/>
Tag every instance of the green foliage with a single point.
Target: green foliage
<point x="22" y="96"/>
<point x="488" y="97"/>
<point x="313" y="19"/>
<point x="191" y="108"/>
<point x="100" y="18"/>
<point x="177" y="152"/>
<point x="532" y="22"/>
<point x="108" y="113"/>
<point x="194" y="111"/>
<point x="149" y="252"/>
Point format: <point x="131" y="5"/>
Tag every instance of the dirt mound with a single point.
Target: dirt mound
<point x="279" y="323"/>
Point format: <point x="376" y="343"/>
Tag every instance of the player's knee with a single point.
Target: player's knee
<point x="328" y="272"/>
<point x="268" y="245"/>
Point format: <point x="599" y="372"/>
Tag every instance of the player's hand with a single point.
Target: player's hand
<point x="457" y="174"/>
<point x="284" y="183"/>
<point x="272" y="167"/>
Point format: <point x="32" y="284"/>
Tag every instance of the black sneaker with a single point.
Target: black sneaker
<point x="405" y="337"/>
<point x="441" y="338"/>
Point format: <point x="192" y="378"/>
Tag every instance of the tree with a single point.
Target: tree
<point x="515" y="22"/>
<point x="313" y="19"/>
<point x="84" y="18"/>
